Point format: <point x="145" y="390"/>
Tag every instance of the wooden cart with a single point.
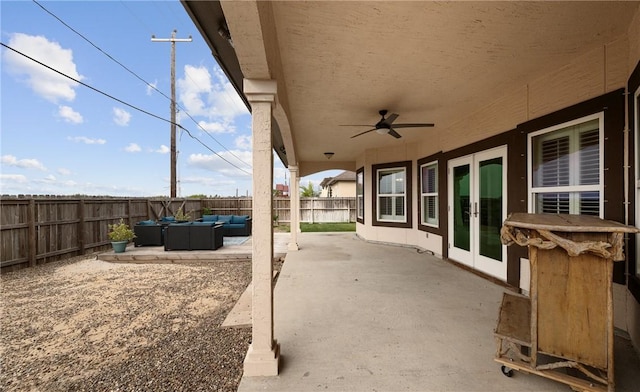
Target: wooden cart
<point x="564" y="330"/>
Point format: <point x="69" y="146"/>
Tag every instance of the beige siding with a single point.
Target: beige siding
<point x="580" y="80"/>
<point x="499" y="116"/>
<point x="616" y="60"/>
<point x="634" y="40"/>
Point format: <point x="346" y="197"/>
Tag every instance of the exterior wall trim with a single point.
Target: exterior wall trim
<point x="442" y="186"/>
<point x="408" y="195"/>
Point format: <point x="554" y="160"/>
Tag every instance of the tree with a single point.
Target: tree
<point x="308" y="191"/>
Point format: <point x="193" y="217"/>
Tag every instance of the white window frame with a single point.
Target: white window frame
<point x="532" y="191"/>
<point x="434" y="194"/>
<point x="394" y="196"/>
<point x="360" y="194"/>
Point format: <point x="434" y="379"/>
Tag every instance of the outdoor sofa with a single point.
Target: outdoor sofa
<point x="193" y="236"/>
<point x="233" y="225"/>
<point x="148" y="233"/>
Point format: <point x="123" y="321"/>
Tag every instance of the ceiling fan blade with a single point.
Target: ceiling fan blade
<point x="393" y="133"/>
<point x="362" y="133"/>
<point x="391" y="118"/>
<point x="413" y="125"/>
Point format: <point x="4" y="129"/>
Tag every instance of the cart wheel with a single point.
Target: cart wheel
<point x="506" y="371"/>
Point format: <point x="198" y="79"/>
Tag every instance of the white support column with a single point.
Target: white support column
<point x="294" y="197"/>
<point x="299" y="213"/>
<point x="264" y="352"/>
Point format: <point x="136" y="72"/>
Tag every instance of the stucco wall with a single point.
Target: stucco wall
<point x="340" y="189"/>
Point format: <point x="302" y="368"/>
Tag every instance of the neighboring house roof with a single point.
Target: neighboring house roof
<point x="345" y="176"/>
<point x="282" y="188"/>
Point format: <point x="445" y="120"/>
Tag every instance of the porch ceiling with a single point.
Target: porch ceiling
<point x="340" y="62"/>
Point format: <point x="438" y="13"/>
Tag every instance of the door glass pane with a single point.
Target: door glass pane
<point x="461" y="233"/>
<point x="490" y="208"/>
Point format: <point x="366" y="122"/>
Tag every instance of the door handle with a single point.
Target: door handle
<point x="475" y="209"/>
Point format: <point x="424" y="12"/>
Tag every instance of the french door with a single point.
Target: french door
<point x="477" y="206"/>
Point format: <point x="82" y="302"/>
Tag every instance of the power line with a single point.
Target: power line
<point x="144" y="81"/>
<point x="122" y="102"/>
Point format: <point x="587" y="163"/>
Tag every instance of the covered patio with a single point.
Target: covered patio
<point x="352" y="315"/>
<point x="489" y="98"/>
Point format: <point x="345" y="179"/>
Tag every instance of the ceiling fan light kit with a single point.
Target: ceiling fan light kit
<point x="385" y="125"/>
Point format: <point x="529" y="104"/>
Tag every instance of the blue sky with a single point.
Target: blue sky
<point x="59" y="137"/>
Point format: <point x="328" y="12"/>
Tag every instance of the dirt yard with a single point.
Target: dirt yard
<point x="90" y="325"/>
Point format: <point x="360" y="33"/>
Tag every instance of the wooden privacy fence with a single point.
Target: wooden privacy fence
<point x="40" y="229"/>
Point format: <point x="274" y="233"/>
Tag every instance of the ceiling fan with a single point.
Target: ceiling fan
<point x="385" y="125"/>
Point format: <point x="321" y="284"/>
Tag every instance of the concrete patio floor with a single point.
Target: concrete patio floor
<point x="357" y="316"/>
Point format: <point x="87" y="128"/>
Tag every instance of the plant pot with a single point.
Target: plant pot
<point x="119" y="246"/>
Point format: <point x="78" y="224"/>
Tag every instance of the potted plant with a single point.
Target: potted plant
<point x="181" y="216"/>
<point x="120" y="234"/>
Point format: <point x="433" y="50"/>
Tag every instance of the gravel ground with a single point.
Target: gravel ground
<point x="89" y="325"/>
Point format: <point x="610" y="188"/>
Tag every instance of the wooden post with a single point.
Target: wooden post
<point x="31" y="216"/>
<point x="81" y="227"/>
<point x="129" y="218"/>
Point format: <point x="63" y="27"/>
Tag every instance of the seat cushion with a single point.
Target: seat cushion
<point x="168" y="219"/>
<point x="226" y="219"/>
<point x="146" y="222"/>
<point x="209" y="218"/>
<point x="236" y="225"/>
<point x="207" y="223"/>
<point x="239" y="219"/>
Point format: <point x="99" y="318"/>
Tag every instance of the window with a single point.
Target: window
<point x="391" y="198"/>
<point x="391" y="195"/>
<point x="360" y="195"/>
<point x="566" y="168"/>
<point x="429" y="194"/>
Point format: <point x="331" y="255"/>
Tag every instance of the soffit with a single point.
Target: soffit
<point x="427" y="61"/>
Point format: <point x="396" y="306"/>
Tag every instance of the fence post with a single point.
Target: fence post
<point x="312" y="213"/>
<point x="129" y="213"/>
<point x="81" y="229"/>
<point x="31" y="216"/>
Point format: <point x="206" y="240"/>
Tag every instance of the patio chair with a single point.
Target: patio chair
<point x="148" y="233"/>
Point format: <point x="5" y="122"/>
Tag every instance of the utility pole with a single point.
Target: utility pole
<point x="173" y="41"/>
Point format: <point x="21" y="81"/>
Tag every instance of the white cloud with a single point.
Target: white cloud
<point x="132" y="147"/>
<point x="70" y="115"/>
<point x="207" y="181"/>
<point x="50" y="185"/>
<point x="216" y="127"/>
<point x="10" y="160"/>
<point x="43" y="81"/>
<point x="202" y="94"/>
<point x="64" y="172"/>
<point x="8" y="179"/>
<point x="86" y="140"/>
<point x="163" y="149"/>
<point x="121" y="117"/>
<point x="151" y="87"/>
<point x="243" y="142"/>
<point x="216" y="164"/>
